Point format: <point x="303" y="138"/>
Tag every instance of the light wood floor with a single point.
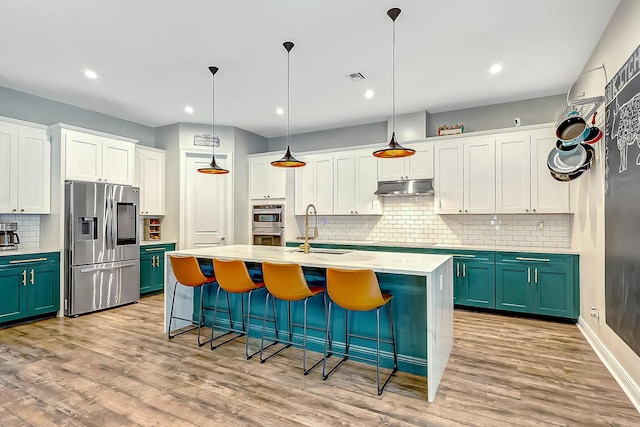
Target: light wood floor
<point x="116" y="368"/>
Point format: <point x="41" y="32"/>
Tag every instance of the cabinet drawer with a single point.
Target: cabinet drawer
<point x="535" y="258"/>
<point x="461" y="254"/>
<point x="155" y="249"/>
<point x="30" y="259"/>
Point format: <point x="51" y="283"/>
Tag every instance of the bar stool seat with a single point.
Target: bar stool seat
<point x="233" y="278"/>
<point x="188" y="273"/>
<point x="286" y="282"/>
<point x="359" y="290"/>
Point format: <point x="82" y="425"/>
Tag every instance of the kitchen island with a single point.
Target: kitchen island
<point x="422" y="286"/>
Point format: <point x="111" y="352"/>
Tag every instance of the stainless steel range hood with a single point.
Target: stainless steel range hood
<point x="412" y="187"/>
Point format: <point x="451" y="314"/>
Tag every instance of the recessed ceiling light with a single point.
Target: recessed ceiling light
<point x="279" y="111"/>
<point x="188" y="109"/>
<point x="368" y="94"/>
<point x="90" y="74"/>
<point x="495" y="68"/>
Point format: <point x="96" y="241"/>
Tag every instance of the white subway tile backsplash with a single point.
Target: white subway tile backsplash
<point x="28" y="229"/>
<point x="412" y="220"/>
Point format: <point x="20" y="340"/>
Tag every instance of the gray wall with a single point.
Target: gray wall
<point x="409" y="126"/>
<point x="332" y="138"/>
<point x="30" y="108"/>
<point x="530" y="111"/>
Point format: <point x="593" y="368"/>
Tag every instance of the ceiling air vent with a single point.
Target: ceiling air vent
<point x="356" y="76"/>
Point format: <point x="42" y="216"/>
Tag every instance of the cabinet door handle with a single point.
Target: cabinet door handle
<point x="458" y="270"/>
<point x="532" y="259"/>
<point x="528" y="274"/>
<point x="464" y="270"/>
<point x="153" y="261"/>
<point x="460" y="210"/>
<point x="14" y="210"/>
<point x="22" y="261"/>
<point x="535" y="274"/>
<point x="21" y="210"/>
<point x="24" y="277"/>
<point x="154" y="249"/>
<point x="157" y="261"/>
<point x="464" y="256"/>
<point x="33" y="279"/>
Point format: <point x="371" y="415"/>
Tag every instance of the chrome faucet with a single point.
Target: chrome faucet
<point x="306" y="246"/>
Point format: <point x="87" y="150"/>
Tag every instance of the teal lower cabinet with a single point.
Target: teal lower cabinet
<point x="523" y="282"/>
<point x="473" y="277"/>
<point x="152" y="267"/>
<point x="30" y="286"/>
<point x="540" y="283"/>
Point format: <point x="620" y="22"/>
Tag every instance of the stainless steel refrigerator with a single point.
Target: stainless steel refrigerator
<point x="102" y="246"/>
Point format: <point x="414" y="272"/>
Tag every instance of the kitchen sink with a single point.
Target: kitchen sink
<point x="322" y="251"/>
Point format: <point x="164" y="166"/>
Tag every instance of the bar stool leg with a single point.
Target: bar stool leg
<point x="246" y="350"/>
<point x="393" y="339"/>
<point x="304" y="338"/>
<point x="326" y="341"/>
<point x="200" y="316"/>
<point x="264" y="329"/>
<point x="173" y="301"/>
<point x="378" y="350"/>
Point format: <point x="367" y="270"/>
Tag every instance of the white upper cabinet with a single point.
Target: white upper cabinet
<point x="149" y="176"/>
<point x="97" y="158"/>
<point x="323" y="165"/>
<point x="418" y="166"/>
<point x="25" y="183"/>
<point x="266" y="181"/>
<point x="523" y="182"/>
<point x="355" y="182"/>
<point x="479" y="175"/>
<point x="465" y="176"/>
<point x="366" y="184"/>
<point x="304" y="185"/>
<point x="513" y="173"/>
<point x="448" y="182"/>
<point x="314" y="184"/>
<point x="547" y="194"/>
<point x="344" y="188"/>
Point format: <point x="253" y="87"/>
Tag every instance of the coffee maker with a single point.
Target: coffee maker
<point x="8" y="237"/>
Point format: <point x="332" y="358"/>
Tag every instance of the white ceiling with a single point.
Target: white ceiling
<point x="152" y="56"/>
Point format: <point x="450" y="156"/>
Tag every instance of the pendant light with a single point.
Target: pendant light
<point x="393" y="150"/>
<point x="288" y="161"/>
<point x="213" y="168"/>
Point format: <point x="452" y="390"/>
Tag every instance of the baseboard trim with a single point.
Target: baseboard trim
<point x="630" y="388"/>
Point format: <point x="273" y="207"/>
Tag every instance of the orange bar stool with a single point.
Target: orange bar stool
<point x="233" y="278"/>
<point x="188" y="273"/>
<point x="358" y="290"/>
<point x="286" y="282"/>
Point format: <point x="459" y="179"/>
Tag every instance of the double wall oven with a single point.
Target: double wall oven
<point x="268" y="225"/>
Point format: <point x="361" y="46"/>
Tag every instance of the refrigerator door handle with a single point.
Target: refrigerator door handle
<point x="107" y="266"/>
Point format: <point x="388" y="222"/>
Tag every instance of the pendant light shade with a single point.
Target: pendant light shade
<point x="288" y="161"/>
<point x="393" y="150"/>
<point x="213" y="168"/>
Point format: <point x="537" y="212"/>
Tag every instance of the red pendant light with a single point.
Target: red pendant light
<point x="213" y="168"/>
<point x="288" y="161"/>
<point x="393" y="150"/>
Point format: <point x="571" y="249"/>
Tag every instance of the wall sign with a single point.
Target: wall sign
<point x="206" y="140"/>
<point x="622" y="202"/>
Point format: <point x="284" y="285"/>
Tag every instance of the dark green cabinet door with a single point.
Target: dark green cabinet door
<point x="513" y="287"/>
<point x="158" y="276"/>
<point x="553" y="291"/>
<point x="147" y="274"/>
<point x="44" y="289"/>
<point x="13" y="294"/>
<point x="478" y="284"/>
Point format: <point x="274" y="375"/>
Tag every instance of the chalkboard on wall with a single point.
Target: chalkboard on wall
<point x="622" y="202"/>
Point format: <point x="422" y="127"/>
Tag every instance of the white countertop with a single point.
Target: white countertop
<point x="528" y="249"/>
<point x="28" y="251"/>
<point x="381" y="262"/>
<point x="157" y="242"/>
